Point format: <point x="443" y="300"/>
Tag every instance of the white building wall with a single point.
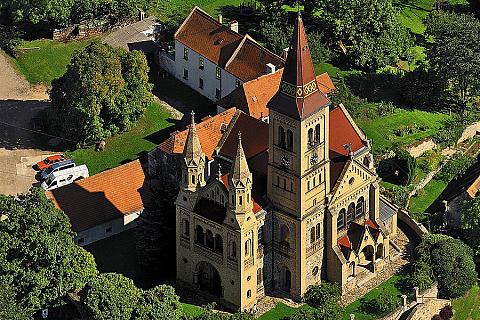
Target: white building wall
<point x="107" y="229"/>
<point x="226" y="84"/>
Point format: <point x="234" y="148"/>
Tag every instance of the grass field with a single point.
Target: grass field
<point x="381" y="130"/>
<point x="426" y="196"/>
<point x="48" y="62"/>
<point x="467" y="307"/>
<point x="127" y="146"/>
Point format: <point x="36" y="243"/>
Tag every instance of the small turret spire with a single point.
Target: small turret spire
<point x="193" y="148"/>
<point x="240" y="170"/>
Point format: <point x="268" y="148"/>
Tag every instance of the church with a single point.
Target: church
<point x="273" y="208"/>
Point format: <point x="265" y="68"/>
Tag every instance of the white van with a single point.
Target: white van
<point x="61" y="178"/>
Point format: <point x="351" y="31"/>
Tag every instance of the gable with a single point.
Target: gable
<point x="353" y="176"/>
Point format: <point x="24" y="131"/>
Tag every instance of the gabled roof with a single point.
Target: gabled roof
<point x="298" y="96"/>
<point x="237" y="54"/>
<point x="254" y="136"/>
<point x="209" y="132"/>
<point x="103" y="197"/>
<point x="343" y="131"/>
<point x="252" y="96"/>
<point x="474" y="188"/>
<point x="250" y="59"/>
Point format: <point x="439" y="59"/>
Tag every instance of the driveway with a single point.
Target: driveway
<point x="19" y="147"/>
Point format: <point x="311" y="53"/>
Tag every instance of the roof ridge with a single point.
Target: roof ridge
<point x="237" y="50"/>
<point x="361" y="134"/>
<point x="228" y="130"/>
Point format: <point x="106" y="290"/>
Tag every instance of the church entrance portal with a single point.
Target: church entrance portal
<point x="209" y="279"/>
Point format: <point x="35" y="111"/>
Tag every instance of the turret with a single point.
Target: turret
<point x="240" y="182"/>
<point x="193" y="165"/>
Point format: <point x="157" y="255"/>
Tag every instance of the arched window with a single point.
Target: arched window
<point x="233" y="249"/>
<point x="218" y="243"/>
<point x="259" y="275"/>
<point x="281" y="137"/>
<point x="186" y="228"/>
<point x="213" y="195"/>
<point x="318" y="231"/>
<point x="193" y="178"/>
<point x="249" y="293"/>
<point x="317" y="133"/>
<point x="200" y="238"/>
<point x="366" y="162"/>
<point x="247" y="247"/>
<point x="284" y="235"/>
<point x="312" y="235"/>
<point x="341" y="219"/>
<point x="260" y="235"/>
<point x="351" y="212"/>
<point x="310" y="136"/>
<point x="360" y="209"/>
<point x="290" y="140"/>
<point x="209" y="240"/>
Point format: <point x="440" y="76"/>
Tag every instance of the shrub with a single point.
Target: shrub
<point x="437" y="317"/>
<point x="447" y="312"/>
<point x="453" y="267"/>
<point x="407" y="165"/>
<point x="456" y="167"/>
<point x="323" y="294"/>
<point x="384" y="303"/>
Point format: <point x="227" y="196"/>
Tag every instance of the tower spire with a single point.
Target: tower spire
<point x="240" y="171"/>
<point x="298" y="95"/>
<point x="193" y="149"/>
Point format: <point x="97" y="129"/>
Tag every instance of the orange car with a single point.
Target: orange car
<point x="47" y="162"/>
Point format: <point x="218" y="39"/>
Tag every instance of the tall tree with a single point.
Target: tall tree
<point x="38" y="257"/>
<point x="368" y="29"/>
<point x="454" y="54"/>
<point x="103" y="92"/>
<point x="9" y="308"/>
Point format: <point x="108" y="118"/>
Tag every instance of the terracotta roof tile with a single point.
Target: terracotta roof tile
<point x="237" y="54"/>
<point x="209" y="132"/>
<point x="205" y="35"/>
<point x="103" y="197"/>
<point x="474" y="188"/>
<point x="250" y="59"/>
<point x="342" y="132"/>
<point x="253" y="96"/>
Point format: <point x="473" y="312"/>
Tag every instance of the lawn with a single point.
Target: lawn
<point x="49" y="61"/>
<point x="393" y="285"/>
<point x="468" y="306"/>
<point x="190" y="310"/>
<point x="128" y="146"/>
<point x="426" y="197"/>
<point x="381" y="130"/>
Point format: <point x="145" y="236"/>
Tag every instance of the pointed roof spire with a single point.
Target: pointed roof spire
<point x="240" y="170"/>
<point x="193" y="148"/>
<point x="298" y="95"/>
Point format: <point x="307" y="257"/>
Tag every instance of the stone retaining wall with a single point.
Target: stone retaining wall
<point x="415" y="226"/>
<point x="470" y="132"/>
<point x="418" y="149"/>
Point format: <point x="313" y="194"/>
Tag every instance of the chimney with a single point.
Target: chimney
<point x="234" y="25"/>
<point x="270" y="68"/>
<point x="141" y="15"/>
<point x="220" y="19"/>
<point x="285" y="53"/>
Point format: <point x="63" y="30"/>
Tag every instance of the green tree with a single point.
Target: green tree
<point x="456" y="40"/>
<point x="369" y="30"/>
<point x="454" y="268"/>
<point x="159" y="303"/>
<point x="103" y="92"/>
<point x="455" y="167"/>
<point x="407" y="166"/>
<point x="384" y="303"/>
<point x="9" y="308"/>
<point x="109" y="296"/>
<point x="322" y="294"/>
<point x="38" y="257"/>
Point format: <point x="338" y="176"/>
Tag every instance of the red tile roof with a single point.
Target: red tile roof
<point x="258" y="206"/>
<point x="344" y="242"/>
<point x="474" y="188"/>
<point x="252" y="97"/>
<point x="103" y="197"/>
<point x="342" y="132"/>
<point x="210" y="131"/>
<point x="249" y="61"/>
<point x="237" y="54"/>
<point x="254" y="136"/>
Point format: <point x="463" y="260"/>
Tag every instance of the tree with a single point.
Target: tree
<point x="9" y="309"/>
<point x="454" y="54"/>
<point x="454" y="268"/>
<point x="109" y="296"/>
<point x="384" y="303"/>
<point x="369" y="30"/>
<point x="322" y="294"/>
<point x="103" y="92"/>
<point x="38" y="257"/>
<point x="159" y="303"/>
<point x="407" y="166"/>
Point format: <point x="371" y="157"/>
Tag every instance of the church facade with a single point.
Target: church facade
<point x="316" y="215"/>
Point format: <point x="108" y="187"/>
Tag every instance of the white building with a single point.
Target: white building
<point x="214" y="59"/>
<point x="104" y="204"/>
